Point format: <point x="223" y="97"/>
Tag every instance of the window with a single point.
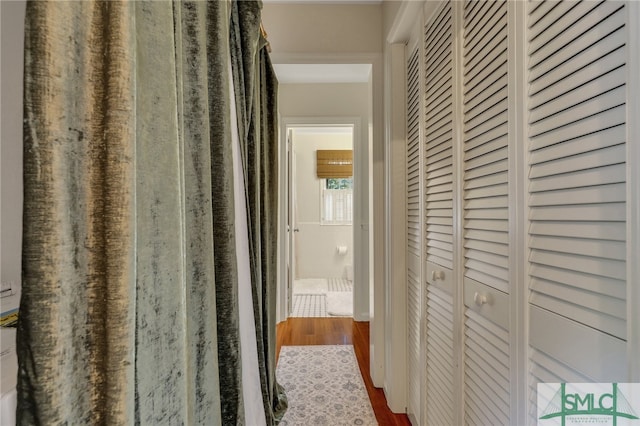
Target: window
<point x="336" y="201"/>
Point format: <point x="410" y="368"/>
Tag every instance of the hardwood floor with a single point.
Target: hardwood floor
<point x="340" y="331"/>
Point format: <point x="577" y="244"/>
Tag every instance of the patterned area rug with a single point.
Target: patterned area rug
<point x="324" y="386"/>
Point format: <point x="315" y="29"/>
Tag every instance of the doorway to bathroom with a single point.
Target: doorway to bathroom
<point x="320" y="211"/>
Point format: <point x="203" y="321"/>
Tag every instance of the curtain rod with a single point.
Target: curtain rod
<point x="264" y="34"/>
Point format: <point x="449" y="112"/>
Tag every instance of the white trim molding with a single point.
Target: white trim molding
<point x="633" y="191"/>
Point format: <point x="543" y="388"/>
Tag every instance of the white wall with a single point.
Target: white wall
<point x="307" y="28"/>
<point x="316" y="253"/>
<point x="325" y="100"/>
<point x="12" y="45"/>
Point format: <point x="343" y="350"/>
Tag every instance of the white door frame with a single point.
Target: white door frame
<point x="360" y="183"/>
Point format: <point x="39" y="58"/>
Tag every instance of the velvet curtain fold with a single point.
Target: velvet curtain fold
<point x="129" y="310"/>
<point x="256" y="106"/>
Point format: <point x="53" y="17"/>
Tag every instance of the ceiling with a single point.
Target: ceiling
<point x="322" y="73"/>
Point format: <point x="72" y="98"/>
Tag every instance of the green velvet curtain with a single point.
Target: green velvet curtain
<point x="256" y="105"/>
<point x="129" y="310"/>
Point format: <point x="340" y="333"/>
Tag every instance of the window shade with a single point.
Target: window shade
<point x="334" y="163"/>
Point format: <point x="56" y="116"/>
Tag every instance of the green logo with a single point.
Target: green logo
<point x="581" y="402"/>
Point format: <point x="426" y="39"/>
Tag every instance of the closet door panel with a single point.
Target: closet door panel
<point x="439" y="193"/>
<point x="414" y="239"/>
<point x="577" y="192"/>
<point x="439" y="139"/>
<point x="485" y="127"/>
<point x="485" y="160"/>
<point x="440" y="368"/>
<point x="577" y="167"/>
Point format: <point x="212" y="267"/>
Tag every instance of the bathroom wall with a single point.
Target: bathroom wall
<point x="316" y="244"/>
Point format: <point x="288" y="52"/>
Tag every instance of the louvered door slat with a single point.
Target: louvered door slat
<point x="486" y="203"/>
<point x="481" y="19"/>
<point x="538" y="9"/>
<point x="545" y="369"/>
<point x="438" y="170"/>
<point x="603" y="175"/>
<point x="568" y="62"/>
<point x="567" y="13"/>
<point x="581" y="128"/>
<point x="598" y="77"/>
<point x="438" y="112"/>
<point x="492" y="107"/>
<point x="486" y="369"/>
<point x="477" y="94"/>
<point x="439" y="149"/>
<point x="551" y="166"/>
<point x="438" y="71"/>
<point x="439" y="357"/>
<point x="486" y="70"/>
<point x="438" y="131"/>
<point x="494" y="354"/>
<point x="481" y="180"/>
<point x="475" y="415"/>
<point x="490" y="197"/>
<point x="490" y="47"/>
<point x="476" y="393"/>
<point x="589" y="282"/>
<point x="486" y="170"/>
<point x="614" y="308"/>
<point x="577" y="113"/>
<point x="490" y="96"/>
<point x="579" y="229"/>
<point x="493" y="160"/>
<point x="605" y="193"/>
<point x="482" y="25"/>
<point x="469" y="9"/>
<point x="482" y="373"/>
<point x="488" y="263"/>
<point x="484" y="244"/>
<point x="605" y="212"/>
<point x="479" y="395"/>
<point x="577" y="36"/>
<point x="607" y="268"/>
<point x="414" y="238"/>
<point x="549" y="30"/>
<point x="480" y="235"/>
<point x="577" y="185"/>
<point x="605" y="249"/>
<point x="608" y="137"/>
<point x="553" y="371"/>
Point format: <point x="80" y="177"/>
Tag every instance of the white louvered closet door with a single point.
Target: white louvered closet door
<point x="577" y="192"/>
<point x="486" y="212"/>
<point x="439" y="216"/>
<point x="414" y="239"/>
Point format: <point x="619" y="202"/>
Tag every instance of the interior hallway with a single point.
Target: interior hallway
<point x="340" y="331"/>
